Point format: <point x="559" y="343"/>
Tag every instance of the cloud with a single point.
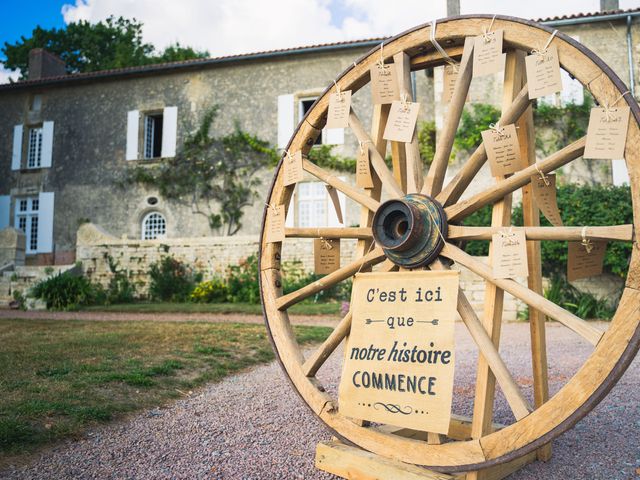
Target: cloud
<point x="7" y="75"/>
<point x="239" y="26"/>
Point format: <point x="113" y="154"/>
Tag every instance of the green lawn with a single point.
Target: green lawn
<point x="249" y="308"/>
<point x="58" y="377"/>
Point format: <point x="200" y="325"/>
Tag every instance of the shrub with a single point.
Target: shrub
<point x="583" y="304"/>
<point x="121" y="289"/>
<point x="242" y="281"/>
<point x="210" y="291"/>
<point x="295" y="277"/>
<point x="474" y="120"/>
<point x="170" y="280"/>
<point x="66" y="291"/>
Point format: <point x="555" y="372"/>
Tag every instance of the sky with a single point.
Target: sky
<point x="225" y="27"/>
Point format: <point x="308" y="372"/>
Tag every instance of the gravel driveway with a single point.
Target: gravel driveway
<point x="254" y="426"/>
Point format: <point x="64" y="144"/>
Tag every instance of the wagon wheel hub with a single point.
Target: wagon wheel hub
<point x="410" y="230"/>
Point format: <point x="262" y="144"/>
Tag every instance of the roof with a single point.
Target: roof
<point x="204" y="62"/>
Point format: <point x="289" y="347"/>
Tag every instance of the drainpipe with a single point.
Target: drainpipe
<point x="632" y="77"/>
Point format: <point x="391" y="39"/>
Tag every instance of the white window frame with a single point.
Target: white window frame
<point x="301" y="113"/>
<point x="148" y="134"/>
<point x="319" y="205"/>
<point x="152" y="232"/>
<point x="26" y="219"/>
<point x="34" y="146"/>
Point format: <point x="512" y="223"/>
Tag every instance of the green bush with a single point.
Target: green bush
<point x="242" y="281"/>
<point x="295" y="277"/>
<point x="171" y="280"/>
<point x="210" y="291"/>
<point x="582" y="304"/>
<point x="121" y="289"/>
<point x="475" y="119"/>
<point x="66" y="291"/>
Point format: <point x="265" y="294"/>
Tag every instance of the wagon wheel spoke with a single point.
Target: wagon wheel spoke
<point x="435" y="176"/>
<point x="517" y="180"/>
<point x="456" y="187"/>
<point x="372" y="258"/>
<point x="518" y="403"/>
<point x="572" y="234"/>
<point x="531" y="298"/>
<point x="356" y="194"/>
<point x="361" y="233"/>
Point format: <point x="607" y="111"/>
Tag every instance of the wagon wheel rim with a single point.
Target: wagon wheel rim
<point x="613" y="351"/>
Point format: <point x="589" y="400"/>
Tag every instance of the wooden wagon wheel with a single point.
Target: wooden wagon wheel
<point x="613" y="351"/>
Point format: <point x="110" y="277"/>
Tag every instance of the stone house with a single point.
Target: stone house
<point x="65" y="140"/>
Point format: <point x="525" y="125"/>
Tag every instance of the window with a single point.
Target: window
<point x="305" y="106"/>
<point x="153" y="226"/>
<point x="34" y="148"/>
<point x="153" y="135"/>
<point x="26" y="220"/>
<point x="313" y="206"/>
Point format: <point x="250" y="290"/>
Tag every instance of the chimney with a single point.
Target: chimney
<point x="43" y="64"/>
<point x="608" y="5"/>
<point x="453" y="8"/>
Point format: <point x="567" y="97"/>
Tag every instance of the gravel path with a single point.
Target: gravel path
<point x="253" y="426"/>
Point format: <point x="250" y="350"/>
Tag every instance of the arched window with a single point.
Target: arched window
<point x="154" y="226"/>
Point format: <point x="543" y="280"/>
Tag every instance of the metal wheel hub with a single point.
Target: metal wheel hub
<point x="410" y="230"/>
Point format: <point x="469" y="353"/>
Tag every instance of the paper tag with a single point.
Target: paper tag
<point x="326" y="255"/>
<point x="293" y="170"/>
<point x="503" y="150"/>
<point x="384" y="84"/>
<point x="543" y="73"/>
<point x="363" y="169"/>
<point x="401" y="123"/>
<point x="449" y="77"/>
<point x="581" y="264"/>
<point x="487" y="54"/>
<point x="333" y="194"/>
<point x="339" y="108"/>
<point x="275" y="224"/>
<point x="607" y="133"/>
<point x="399" y="363"/>
<point x="545" y="197"/>
<point x="509" y="255"/>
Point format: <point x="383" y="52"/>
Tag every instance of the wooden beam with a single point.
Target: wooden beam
<point x="572" y="234"/>
<point x="361" y="233"/>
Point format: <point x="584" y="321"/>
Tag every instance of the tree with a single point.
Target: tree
<point x="88" y="47"/>
<point x="216" y="176"/>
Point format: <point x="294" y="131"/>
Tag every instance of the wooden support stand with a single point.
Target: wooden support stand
<point x="356" y="464"/>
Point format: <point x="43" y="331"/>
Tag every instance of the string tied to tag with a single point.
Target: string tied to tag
<point x="434" y="42"/>
<point x="609" y="110"/>
<point x="497" y="129"/>
<point x="273" y="208"/>
<point x="543" y="50"/>
<point x="381" y="60"/>
<point x="586" y="243"/>
<point x="404" y="102"/>
<point x="289" y="156"/>
<point x="362" y="144"/>
<point x="339" y="92"/>
<point x="543" y="177"/>
<point x="509" y="237"/>
<point x="487" y="31"/>
<point x="325" y="244"/>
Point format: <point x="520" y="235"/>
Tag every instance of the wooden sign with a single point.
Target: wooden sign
<point x="384" y="84"/>
<point x="275" y="224"/>
<point x="544" y="193"/>
<point x="399" y="363"/>
<point x="585" y="261"/>
<point x="509" y="255"/>
<point x="339" y="108"/>
<point x="543" y="73"/>
<point x="401" y="123"/>
<point x="326" y="255"/>
<point x="363" y="168"/>
<point x="293" y="170"/>
<point x="503" y="150"/>
<point x="607" y="133"/>
<point x="487" y="54"/>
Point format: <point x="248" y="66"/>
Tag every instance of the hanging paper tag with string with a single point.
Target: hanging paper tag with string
<point x="449" y="77"/>
<point x="339" y="108"/>
<point x="503" y="150"/>
<point x="543" y="72"/>
<point x="401" y="123"/>
<point x="607" y="133"/>
<point x="544" y="193"/>
<point x="487" y="54"/>
<point x="326" y="255"/>
<point x="384" y="84"/>
<point x="275" y="224"/>
<point x="293" y="170"/>
<point x="363" y="168"/>
<point x="585" y="259"/>
<point x="509" y="254"/>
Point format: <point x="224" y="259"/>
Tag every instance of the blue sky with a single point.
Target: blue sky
<point x="19" y="17"/>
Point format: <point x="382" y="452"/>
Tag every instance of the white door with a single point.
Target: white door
<point x="26" y="219"/>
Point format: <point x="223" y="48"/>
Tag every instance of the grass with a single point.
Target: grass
<point x="332" y="308"/>
<point x="58" y="377"/>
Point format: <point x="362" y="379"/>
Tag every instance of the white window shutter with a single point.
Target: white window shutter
<point x="5" y="207"/>
<point x="45" y="222"/>
<point x="47" y="144"/>
<point x="169" y="131"/>
<point x="332" y="216"/>
<point x="619" y="172"/>
<point x="133" y="129"/>
<point x="16" y="157"/>
<point x="285" y="120"/>
<point x="334" y="136"/>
